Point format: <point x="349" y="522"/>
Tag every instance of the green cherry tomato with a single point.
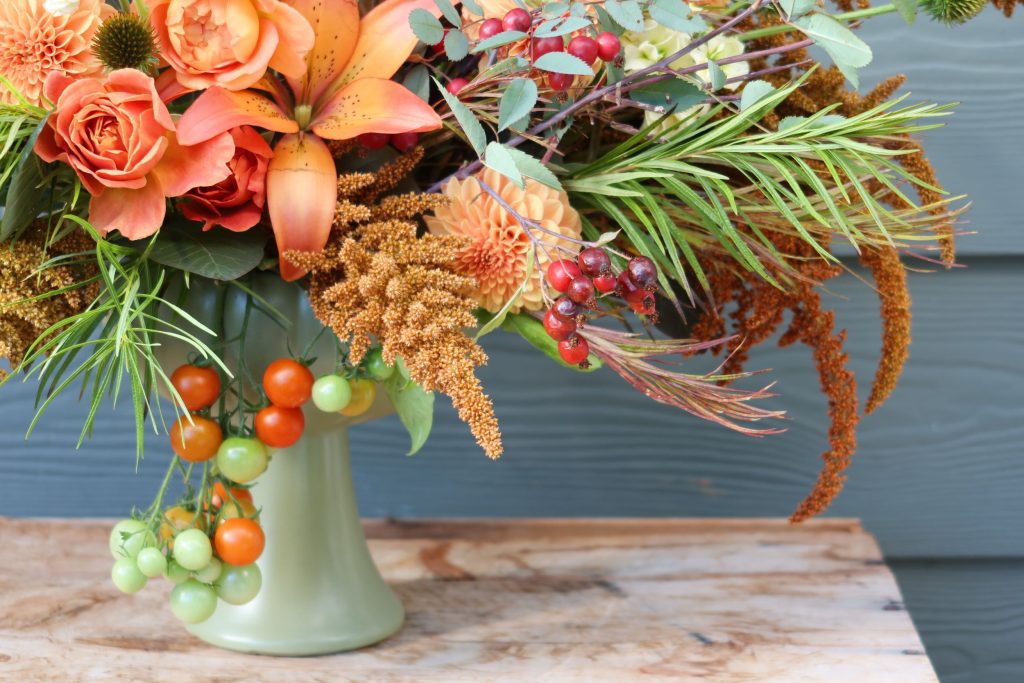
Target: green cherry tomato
<point x="376" y="367"/>
<point x="331" y="393"/>
<point x="176" y="573"/>
<point x="151" y="562"/>
<point x="128" y="537"/>
<point x="210" y="572"/>
<point x="193" y="601"/>
<point x="242" y="460"/>
<point x="192" y="549"/>
<point x="239" y="585"/>
<point x="126" y="576"/>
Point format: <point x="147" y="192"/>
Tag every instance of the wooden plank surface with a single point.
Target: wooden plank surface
<point x="545" y="600"/>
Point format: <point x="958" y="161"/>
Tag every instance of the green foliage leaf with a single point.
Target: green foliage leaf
<point x="24" y="199"/>
<point x="449" y="12"/>
<point x="426" y="26"/>
<point x="499" y="40"/>
<point x="415" y="408"/>
<point x="563" y="63"/>
<point x="797" y="8"/>
<point x="817" y="122"/>
<point x="907" y="9"/>
<point x="532" y="330"/>
<point x="676" y="15"/>
<point x="754" y="92"/>
<point x="674" y="92"/>
<point x="473" y="7"/>
<point x="499" y="317"/>
<point x="626" y="13"/>
<point x="467" y="121"/>
<point x="218" y="254"/>
<point x="560" y="27"/>
<point x="517" y="102"/>
<point x="418" y="82"/>
<point x="847" y="50"/>
<point x="717" y="75"/>
<point x="500" y="159"/>
<point x="456" y="45"/>
<point x="533" y="168"/>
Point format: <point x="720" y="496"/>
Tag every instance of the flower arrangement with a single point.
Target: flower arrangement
<point x="623" y="183"/>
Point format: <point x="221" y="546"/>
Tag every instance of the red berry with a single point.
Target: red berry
<point x="584" y="47"/>
<point x="490" y="28"/>
<point x="559" y="82"/>
<point x="604" y="283"/>
<point x="642" y="302"/>
<point x="405" y="142"/>
<point x="625" y="287"/>
<point x="542" y="46"/>
<point x="374" y="140"/>
<point x="642" y="271"/>
<point x="456" y="85"/>
<point x="557" y="328"/>
<point x="561" y="273"/>
<point x="565" y="308"/>
<point x="581" y="290"/>
<point x="574" y="350"/>
<point x="517" y="19"/>
<point x="608" y="46"/>
<point x="594" y="261"/>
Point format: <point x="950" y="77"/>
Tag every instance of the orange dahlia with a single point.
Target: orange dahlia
<point x="35" y="42"/>
<point x="497" y="254"/>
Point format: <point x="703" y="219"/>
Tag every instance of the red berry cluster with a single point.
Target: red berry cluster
<point x="605" y="47"/>
<point x="403" y="142"/>
<point x="580" y="282"/>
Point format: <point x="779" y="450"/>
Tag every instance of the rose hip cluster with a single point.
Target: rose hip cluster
<point x="580" y="282"/>
<point x="605" y="46"/>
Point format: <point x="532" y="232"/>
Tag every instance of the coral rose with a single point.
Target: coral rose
<point x="497" y="254"/>
<point x="236" y="202"/>
<point x="230" y="43"/>
<point x="119" y="138"/>
<point x="35" y="42"/>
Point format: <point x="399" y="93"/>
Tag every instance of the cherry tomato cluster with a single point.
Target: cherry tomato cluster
<point x="605" y="46"/>
<point x="580" y="282"/>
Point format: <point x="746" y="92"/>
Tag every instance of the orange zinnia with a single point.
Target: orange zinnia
<point x="345" y="92"/>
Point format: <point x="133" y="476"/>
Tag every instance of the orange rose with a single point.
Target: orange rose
<point x="236" y="202"/>
<point x="119" y="138"/>
<point x="230" y="43"/>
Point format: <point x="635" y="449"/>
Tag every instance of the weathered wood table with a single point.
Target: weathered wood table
<point x="587" y="601"/>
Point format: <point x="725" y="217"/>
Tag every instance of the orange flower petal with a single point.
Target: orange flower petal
<point x="136" y="214"/>
<point x="182" y="168"/>
<point x="385" y="41"/>
<point x="302" y="189"/>
<point x="374" y="105"/>
<point x="218" y="110"/>
<point x="336" y="23"/>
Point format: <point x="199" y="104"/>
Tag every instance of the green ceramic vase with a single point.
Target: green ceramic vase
<point x="321" y="591"/>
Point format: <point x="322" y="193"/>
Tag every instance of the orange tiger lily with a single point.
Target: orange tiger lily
<point x="345" y="92"/>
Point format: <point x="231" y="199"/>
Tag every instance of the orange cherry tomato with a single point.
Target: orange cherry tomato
<point x="364" y="392"/>
<point x="176" y="519"/>
<point x="279" y="427"/>
<point x="197" y="440"/>
<point x="198" y="387"/>
<point x="239" y="541"/>
<point x="288" y="383"/>
<point x="220" y="495"/>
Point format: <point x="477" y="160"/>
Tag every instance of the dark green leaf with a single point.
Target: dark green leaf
<point x="531" y="329"/>
<point x="456" y="45"/>
<point x="218" y="254"/>
<point x="24" y="201"/>
<point x="516" y="102"/>
<point x="414" y="406"/>
<point x="470" y="126"/>
<point x="418" y="81"/>
<point x="449" y="12"/>
<point x="674" y="92"/>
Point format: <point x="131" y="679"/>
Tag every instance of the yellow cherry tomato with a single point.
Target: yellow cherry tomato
<point x="364" y="391"/>
<point x="177" y="519"/>
<point x="236" y="509"/>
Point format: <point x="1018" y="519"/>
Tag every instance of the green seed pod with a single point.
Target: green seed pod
<point x="954" y="11"/>
<point x="125" y="42"/>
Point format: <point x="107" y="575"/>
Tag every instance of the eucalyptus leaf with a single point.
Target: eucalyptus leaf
<point x="467" y="121"/>
<point x="563" y="63"/>
<point x="753" y="92"/>
<point x="676" y="15"/>
<point x="499" y="159"/>
<point x="626" y="13"/>
<point x="456" y="45"/>
<point x="449" y="12"/>
<point x="426" y="26"/>
<point x="796" y="8"/>
<point x="217" y="254"/>
<point x="415" y="408"/>
<point x="847" y="50"/>
<point x="516" y="102"/>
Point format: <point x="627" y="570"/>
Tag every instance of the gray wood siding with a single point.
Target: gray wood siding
<point x="939" y="474"/>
